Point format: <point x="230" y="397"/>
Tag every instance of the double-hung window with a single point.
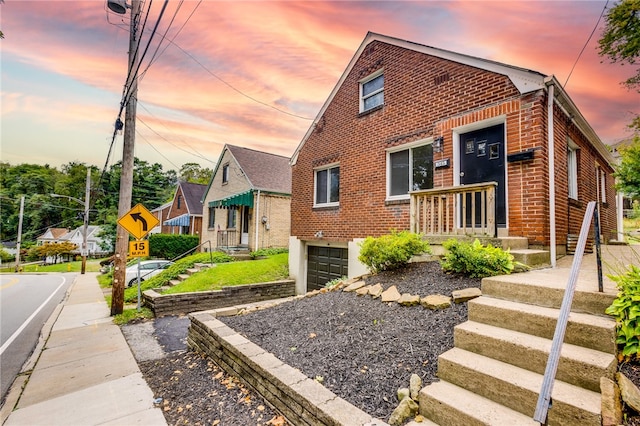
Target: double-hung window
<point x="212" y="217"/>
<point x="572" y="170"/>
<point x="327" y="186"/>
<point x="409" y="169"/>
<point x="225" y="173"/>
<point x="372" y="91"/>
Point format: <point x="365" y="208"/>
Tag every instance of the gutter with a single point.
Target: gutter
<point x="552" y="168"/>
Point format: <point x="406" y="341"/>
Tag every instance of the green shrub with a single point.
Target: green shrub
<point x="391" y="251"/>
<point x="268" y="251"/>
<point x="165" y="246"/>
<point x="172" y="272"/>
<point x="476" y="260"/>
<point x="626" y="309"/>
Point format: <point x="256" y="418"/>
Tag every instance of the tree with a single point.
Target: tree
<point x="628" y="172"/>
<point x="621" y="38"/>
<point x="194" y="173"/>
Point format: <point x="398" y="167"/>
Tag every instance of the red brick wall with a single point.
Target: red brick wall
<point x="425" y="97"/>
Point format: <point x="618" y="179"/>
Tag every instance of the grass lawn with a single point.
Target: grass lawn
<point x="630" y="225"/>
<point x="76" y="266"/>
<point x="273" y="268"/>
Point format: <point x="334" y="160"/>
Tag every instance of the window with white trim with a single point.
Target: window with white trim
<point x="602" y="184"/>
<point x="327" y="186"/>
<point x="409" y="169"/>
<point x="372" y="91"/>
<point x="572" y="170"/>
<point x="225" y="173"/>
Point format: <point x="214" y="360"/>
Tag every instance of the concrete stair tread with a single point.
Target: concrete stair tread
<point x="465" y="407"/>
<point x="518" y="386"/>
<point x="591" y="331"/>
<point x="578" y="365"/>
<point x="546" y="287"/>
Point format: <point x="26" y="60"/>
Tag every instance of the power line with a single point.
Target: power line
<point x="585" y="44"/>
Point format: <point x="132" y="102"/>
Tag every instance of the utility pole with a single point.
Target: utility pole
<point x="86" y="222"/>
<point x="126" y="175"/>
<point x="19" y="241"/>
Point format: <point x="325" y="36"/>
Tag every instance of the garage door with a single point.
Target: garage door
<point x="325" y="264"/>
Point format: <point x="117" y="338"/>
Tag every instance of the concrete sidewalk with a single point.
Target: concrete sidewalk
<point x="83" y="373"/>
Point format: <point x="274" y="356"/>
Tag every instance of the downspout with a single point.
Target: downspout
<point x="620" y="216"/>
<point x="552" y="177"/>
<point x="257" y="219"/>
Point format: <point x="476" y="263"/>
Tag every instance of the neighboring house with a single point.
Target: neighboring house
<point x="51" y="235"/>
<point x="95" y="242"/>
<point x="185" y="213"/>
<point x="626" y="202"/>
<point x="247" y="202"/>
<point x="423" y="139"/>
<point x="161" y="213"/>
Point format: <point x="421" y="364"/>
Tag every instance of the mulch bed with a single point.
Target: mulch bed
<point x="361" y="349"/>
<point x="191" y="389"/>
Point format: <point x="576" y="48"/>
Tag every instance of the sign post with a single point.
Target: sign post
<point x="138" y="222"/>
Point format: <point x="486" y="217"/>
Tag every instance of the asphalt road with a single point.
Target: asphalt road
<point x="26" y="302"/>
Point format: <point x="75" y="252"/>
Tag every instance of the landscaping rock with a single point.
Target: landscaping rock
<point x="390" y="295"/>
<point x="630" y="392"/>
<point x="354" y="286"/>
<point x="436" y="301"/>
<point x="611" y="407"/>
<point x="406" y="409"/>
<point x="409" y="299"/>
<point x="466" y="294"/>
<point x="363" y="290"/>
<point x="375" y="290"/>
<point x="415" y="384"/>
<point x="403" y="393"/>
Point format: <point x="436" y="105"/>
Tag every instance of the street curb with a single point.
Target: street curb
<point x="22" y="379"/>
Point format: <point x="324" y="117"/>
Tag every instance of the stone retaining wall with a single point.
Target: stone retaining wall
<point x="301" y="400"/>
<point x="184" y="303"/>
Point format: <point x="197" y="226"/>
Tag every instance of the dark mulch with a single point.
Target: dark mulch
<point x="191" y="389"/>
<point x="362" y="349"/>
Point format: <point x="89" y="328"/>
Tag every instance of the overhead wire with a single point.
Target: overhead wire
<point x="586" y="43"/>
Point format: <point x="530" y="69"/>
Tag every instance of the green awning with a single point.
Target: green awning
<point x="242" y="199"/>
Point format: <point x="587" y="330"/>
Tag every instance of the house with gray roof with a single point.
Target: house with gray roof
<point x="247" y="203"/>
<point x="184" y="214"/>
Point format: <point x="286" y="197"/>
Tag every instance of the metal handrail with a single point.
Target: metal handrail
<point x="544" y="399"/>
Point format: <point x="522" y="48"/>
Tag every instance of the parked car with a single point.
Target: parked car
<point x="148" y="268"/>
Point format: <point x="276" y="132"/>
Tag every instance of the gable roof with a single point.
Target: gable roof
<point x="193" y="193"/>
<point x="263" y="171"/>
<point x="523" y="79"/>
<point x="53" y="233"/>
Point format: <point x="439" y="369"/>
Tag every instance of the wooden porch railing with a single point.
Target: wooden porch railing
<point x="465" y="209"/>
<point x="227" y="238"/>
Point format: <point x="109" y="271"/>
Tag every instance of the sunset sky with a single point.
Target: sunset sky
<point x="255" y="74"/>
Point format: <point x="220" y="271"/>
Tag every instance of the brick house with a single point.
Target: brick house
<point x="418" y="138"/>
<point x="247" y="203"/>
<point x="161" y="213"/>
<point x="184" y="216"/>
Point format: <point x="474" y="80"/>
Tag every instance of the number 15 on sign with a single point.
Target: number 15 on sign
<point x="139" y="248"/>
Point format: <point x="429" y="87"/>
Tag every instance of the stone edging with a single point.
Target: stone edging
<point x="184" y="303"/>
<point x="301" y="400"/>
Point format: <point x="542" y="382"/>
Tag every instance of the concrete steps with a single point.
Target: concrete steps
<point x="494" y="373"/>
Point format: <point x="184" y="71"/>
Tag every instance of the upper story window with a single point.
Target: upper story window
<point x="225" y="173"/>
<point x="179" y="201"/>
<point x="409" y="169"/>
<point x="572" y="170"/>
<point x="327" y="186"/>
<point x="372" y="91"/>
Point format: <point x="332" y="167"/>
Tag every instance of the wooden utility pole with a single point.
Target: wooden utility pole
<point x="126" y="175"/>
<point x="19" y="240"/>
<point x="85" y="250"/>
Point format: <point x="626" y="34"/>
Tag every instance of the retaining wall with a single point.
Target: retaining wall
<point x="184" y="303"/>
<point x="301" y="400"/>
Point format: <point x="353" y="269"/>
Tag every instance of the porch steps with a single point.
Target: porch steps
<point x="517" y="246"/>
<point x="494" y="373"/>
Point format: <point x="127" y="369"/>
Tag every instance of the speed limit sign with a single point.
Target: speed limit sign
<point x="139" y="248"/>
